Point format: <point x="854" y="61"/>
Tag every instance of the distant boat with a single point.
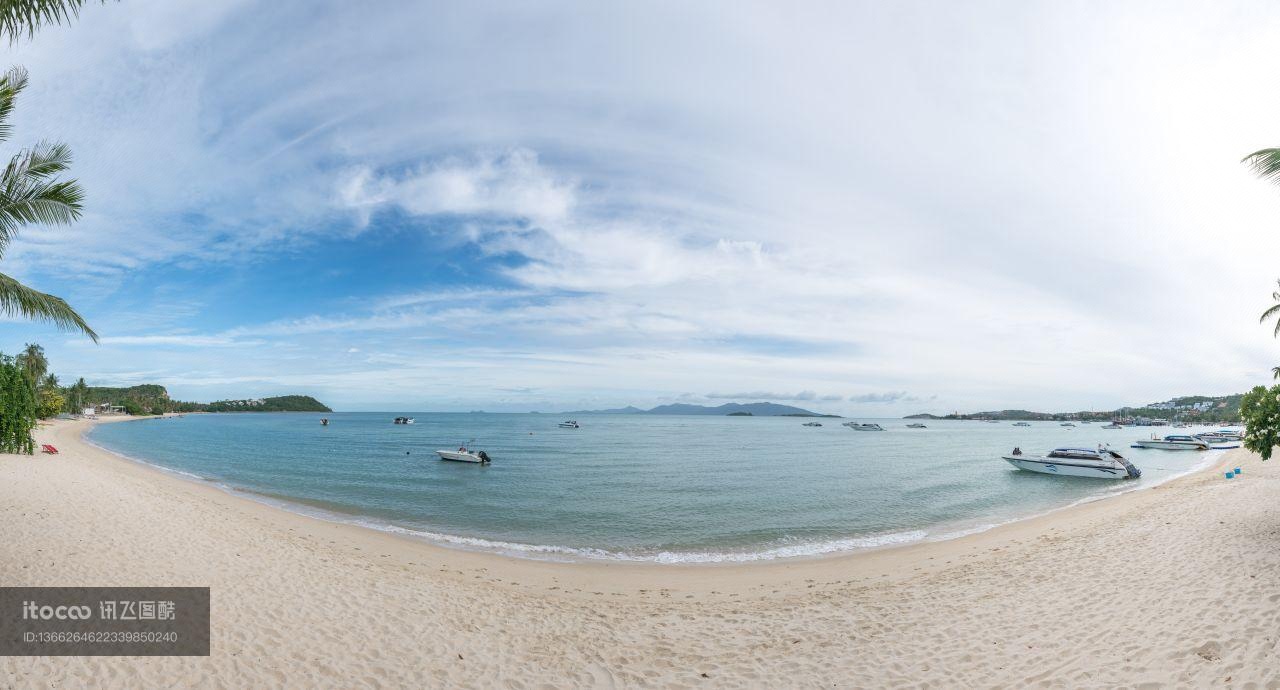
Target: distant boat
<point x="1066" y="424"/>
<point x="812" y="424"/>
<point x="1102" y="463"/>
<point x="1173" y="443"/>
<point x="462" y="454"/>
<point x="404" y="420"/>
<point x="1022" y="423"/>
<point x="324" y="421"/>
<point x="1112" y="425"/>
<point x="569" y="424"/>
<point x="859" y="426"/>
<point x="917" y="425"/>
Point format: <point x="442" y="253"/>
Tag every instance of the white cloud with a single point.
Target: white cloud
<point x="851" y="197"/>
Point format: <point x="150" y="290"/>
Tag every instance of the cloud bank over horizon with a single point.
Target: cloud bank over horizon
<point x="868" y="209"/>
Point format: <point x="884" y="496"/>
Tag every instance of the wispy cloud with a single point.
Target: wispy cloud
<point x="577" y="213"/>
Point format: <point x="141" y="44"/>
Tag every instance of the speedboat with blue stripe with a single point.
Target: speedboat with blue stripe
<point x="1178" y="442"/>
<point x="1102" y="463"/>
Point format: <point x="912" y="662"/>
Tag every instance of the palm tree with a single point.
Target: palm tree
<point x="33" y="363"/>
<point x="20" y="18"/>
<point x="31" y="193"/>
<point x="1271" y="311"/>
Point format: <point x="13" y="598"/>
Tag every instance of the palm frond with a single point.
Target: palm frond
<point x="1265" y="164"/>
<point x="1270" y="312"/>
<point x="21" y="18"/>
<point x="17" y="299"/>
<point x="11" y="84"/>
<point x="29" y="195"/>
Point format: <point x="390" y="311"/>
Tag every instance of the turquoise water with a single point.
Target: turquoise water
<point x="638" y="487"/>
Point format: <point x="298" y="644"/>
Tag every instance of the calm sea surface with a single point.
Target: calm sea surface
<point x="638" y="487"/>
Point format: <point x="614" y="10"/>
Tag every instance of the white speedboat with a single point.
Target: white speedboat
<point x="404" y="420"/>
<point x="1178" y="442"/>
<point x="861" y="426"/>
<point x="917" y="425"/>
<point x="569" y="424"/>
<point x="1221" y="436"/>
<point x="1102" y="463"/>
<point x="1022" y="423"/>
<point x="464" y="455"/>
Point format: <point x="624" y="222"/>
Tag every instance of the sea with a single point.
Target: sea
<point x="650" y="488"/>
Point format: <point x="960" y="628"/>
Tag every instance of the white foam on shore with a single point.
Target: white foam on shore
<point x="548" y="552"/>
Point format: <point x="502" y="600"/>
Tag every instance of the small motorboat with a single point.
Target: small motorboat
<point x="1112" y="425"/>
<point x="404" y="420"/>
<point x="917" y="425"/>
<point x="1176" y="442"/>
<point x="464" y="455"/>
<point x="812" y="424"/>
<point x="1066" y="424"/>
<point x="864" y="426"/>
<point x="569" y="424"/>
<point x="1102" y="463"/>
<point x="324" y="421"/>
<point x="1022" y="423"/>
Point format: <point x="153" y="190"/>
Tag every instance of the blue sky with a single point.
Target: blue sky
<point x="869" y="208"/>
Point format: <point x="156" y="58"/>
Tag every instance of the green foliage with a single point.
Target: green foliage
<point x="17" y="409"/>
<point x="132" y="407"/>
<point x="31" y="192"/>
<point x="19" y="18"/>
<point x="1260" y="411"/>
<point x="284" y="403"/>
<point x="49" y="402"/>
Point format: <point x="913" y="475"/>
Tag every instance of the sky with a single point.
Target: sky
<point x="862" y="208"/>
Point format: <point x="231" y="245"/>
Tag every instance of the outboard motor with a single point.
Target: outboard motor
<point x="1134" y="472"/>
<point x="484" y="457"/>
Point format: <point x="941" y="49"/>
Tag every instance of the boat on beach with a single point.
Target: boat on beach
<point x="864" y="426"/>
<point x="1175" y="442"/>
<point x="1102" y="463"/>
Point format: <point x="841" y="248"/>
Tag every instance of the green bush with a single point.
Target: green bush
<point x="17" y="409"/>
<point x="1260" y="412"/>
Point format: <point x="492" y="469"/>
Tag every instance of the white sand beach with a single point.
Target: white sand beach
<point x="1173" y="586"/>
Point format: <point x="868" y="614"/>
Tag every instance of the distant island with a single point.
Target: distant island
<point x="760" y="409"/>
<point x="154" y="399"/>
<point x="283" y="403"/>
<point x="1191" y="408"/>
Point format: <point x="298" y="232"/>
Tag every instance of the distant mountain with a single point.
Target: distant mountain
<point x="924" y="415"/>
<point x="617" y="410"/>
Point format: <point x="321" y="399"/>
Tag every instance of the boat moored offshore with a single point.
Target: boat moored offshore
<point x="864" y="426"/>
<point x="462" y="454"/>
<point x="1176" y="442"/>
